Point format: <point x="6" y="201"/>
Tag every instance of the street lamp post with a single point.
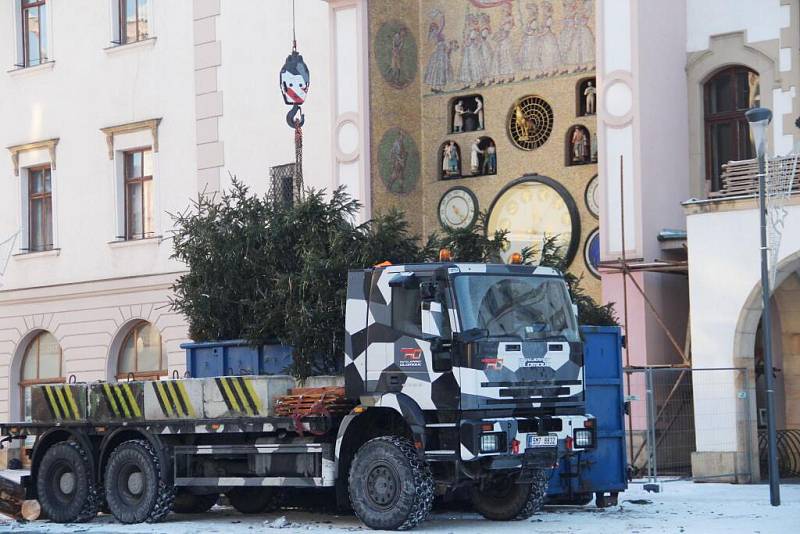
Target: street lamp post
<point x="759" y="119"/>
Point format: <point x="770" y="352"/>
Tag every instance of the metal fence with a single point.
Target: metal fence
<point x="661" y="431"/>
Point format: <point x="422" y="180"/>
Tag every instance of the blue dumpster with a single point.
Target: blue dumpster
<point x="236" y="357"/>
<point x="600" y="472"/>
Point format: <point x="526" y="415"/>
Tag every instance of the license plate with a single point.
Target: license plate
<point x="542" y="441"/>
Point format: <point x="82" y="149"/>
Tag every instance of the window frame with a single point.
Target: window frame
<point x="154" y="374"/>
<point x="734" y="118"/>
<point x="24" y="7"/>
<point x="122" y="23"/>
<point x="23" y="384"/>
<point x="43" y="197"/>
<point x="127" y="181"/>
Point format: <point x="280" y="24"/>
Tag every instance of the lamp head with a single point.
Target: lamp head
<point x="759" y="119"/>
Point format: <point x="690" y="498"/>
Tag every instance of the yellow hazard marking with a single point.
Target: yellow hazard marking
<point x="132" y="400"/>
<point x="174" y="394"/>
<point x="256" y="400"/>
<point x="60" y="396"/>
<point x="72" y="403"/>
<point x="186" y="400"/>
<point x="121" y="399"/>
<point x="111" y="401"/>
<point x="164" y="400"/>
<point x="229" y="394"/>
<point x="53" y="403"/>
<point x="242" y="396"/>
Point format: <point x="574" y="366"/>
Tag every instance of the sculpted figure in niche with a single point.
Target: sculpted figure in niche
<point x="398" y="155"/>
<point x="479" y="111"/>
<point x="450" y="160"/>
<point x="503" y="60"/>
<point x="580" y="146"/>
<point x="438" y="71"/>
<point x="529" y="56"/>
<point x="549" y="53"/>
<point x="589" y="95"/>
<point x="471" y="72"/>
<point x="490" y="159"/>
<point x="396" y="64"/>
<point x="475" y="156"/>
<point x="458" y="116"/>
<point x="583" y="41"/>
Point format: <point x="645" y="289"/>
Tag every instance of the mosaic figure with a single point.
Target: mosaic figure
<point x="398" y="156"/>
<point x="549" y="53"/>
<point x="396" y="64"/>
<point x="471" y="72"/>
<point x="485" y="47"/>
<point x="438" y="71"/>
<point x="566" y="39"/>
<point x="529" y="56"/>
<point x="503" y="60"/>
<point x="583" y="41"/>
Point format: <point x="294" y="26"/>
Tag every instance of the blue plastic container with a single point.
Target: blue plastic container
<point x="601" y="472"/>
<point x="236" y="357"/>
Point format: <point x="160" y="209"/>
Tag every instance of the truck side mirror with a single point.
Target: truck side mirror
<point x="441" y="354"/>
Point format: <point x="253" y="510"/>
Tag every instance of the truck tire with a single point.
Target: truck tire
<point x="65" y="485"/>
<point x="135" y="491"/>
<point x="390" y="486"/>
<point x="254" y="500"/>
<point x="503" y="500"/>
<point x="189" y="503"/>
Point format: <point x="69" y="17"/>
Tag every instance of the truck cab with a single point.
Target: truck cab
<point x="483" y="364"/>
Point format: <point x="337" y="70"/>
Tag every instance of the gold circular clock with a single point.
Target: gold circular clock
<point x="532" y="208"/>
<point x="458" y="208"/>
<point x="530" y="122"/>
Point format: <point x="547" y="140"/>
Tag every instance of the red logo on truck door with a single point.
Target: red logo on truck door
<point x="493" y="363"/>
<point x="410" y="357"/>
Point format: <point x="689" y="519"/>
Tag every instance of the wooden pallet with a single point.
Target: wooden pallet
<point x="310" y="401"/>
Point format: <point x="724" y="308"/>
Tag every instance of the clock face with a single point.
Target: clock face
<point x="592" y="197"/>
<point x="458" y="208"/>
<point x="532" y="209"/>
<point x="591" y="252"/>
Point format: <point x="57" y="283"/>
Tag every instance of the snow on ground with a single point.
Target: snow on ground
<point x="683" y="507"/>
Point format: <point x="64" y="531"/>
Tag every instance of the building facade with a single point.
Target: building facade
<point x="117" y="114"/>
<point x="675" y="79"/>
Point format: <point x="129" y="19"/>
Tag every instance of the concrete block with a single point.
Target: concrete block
<point x="205" y="30"/>
<point x="173" y="399"/>
<point x="208" y="105"/>
<point x="720" y="466"/>
<point x="119" y="402"/>
<point x="207" y="182"/>
<point x="205" y="81"/>
<point x="208" y="55"/>
<point x="206" y="8"/>
<point x="207" y="130"/>
<point x="243" y="396"/>
<point x="210" y="155"/>
<point x="323" y="382"/>
<point x="53" y="403"/>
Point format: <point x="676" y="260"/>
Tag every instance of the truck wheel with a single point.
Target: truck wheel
<point x="65" y="485"/>
<point x="189" y="503"/>
<point x="390" y="487"/>
<point x="502" y="500"/>
<point x="254" y="500"/>
<point x="135" y="491"/>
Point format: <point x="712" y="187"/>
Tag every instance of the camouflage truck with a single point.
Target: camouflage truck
<point x="463" y="377"/>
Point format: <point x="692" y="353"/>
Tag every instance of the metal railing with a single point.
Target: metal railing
<point x="788" y="452"/>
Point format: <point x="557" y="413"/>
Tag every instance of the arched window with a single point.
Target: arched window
<point x="141" y="354"/>
<point x="727" y="95"/>
<point x="41" y="364"/>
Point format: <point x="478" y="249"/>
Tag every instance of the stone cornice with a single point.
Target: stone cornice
<point x="149" y="124"/>
<point x="49" y="144"/>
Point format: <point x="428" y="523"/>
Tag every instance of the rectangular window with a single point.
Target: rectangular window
<point x="40" y="209"/>
<point x="138" y="193"/>
<point x="407" y="311"/>
<point x="134" y="20"/>
<point x="34" y="32"/>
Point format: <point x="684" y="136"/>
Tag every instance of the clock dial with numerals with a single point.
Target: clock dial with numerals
<point x="458" y="208"/>
<point x="533" y="208"/>
<point x="592" y="197"/>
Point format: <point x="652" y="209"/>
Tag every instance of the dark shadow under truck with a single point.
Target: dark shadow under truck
<point x="463" y="376"/>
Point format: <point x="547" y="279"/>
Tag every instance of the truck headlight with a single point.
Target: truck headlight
<point x="584" y="437"/>
<point x="492" y="441"/>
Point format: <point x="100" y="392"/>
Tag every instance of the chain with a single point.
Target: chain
<point x="298" y="159"/>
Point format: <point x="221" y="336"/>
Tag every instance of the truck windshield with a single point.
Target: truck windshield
<point x="529" y="307"/>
